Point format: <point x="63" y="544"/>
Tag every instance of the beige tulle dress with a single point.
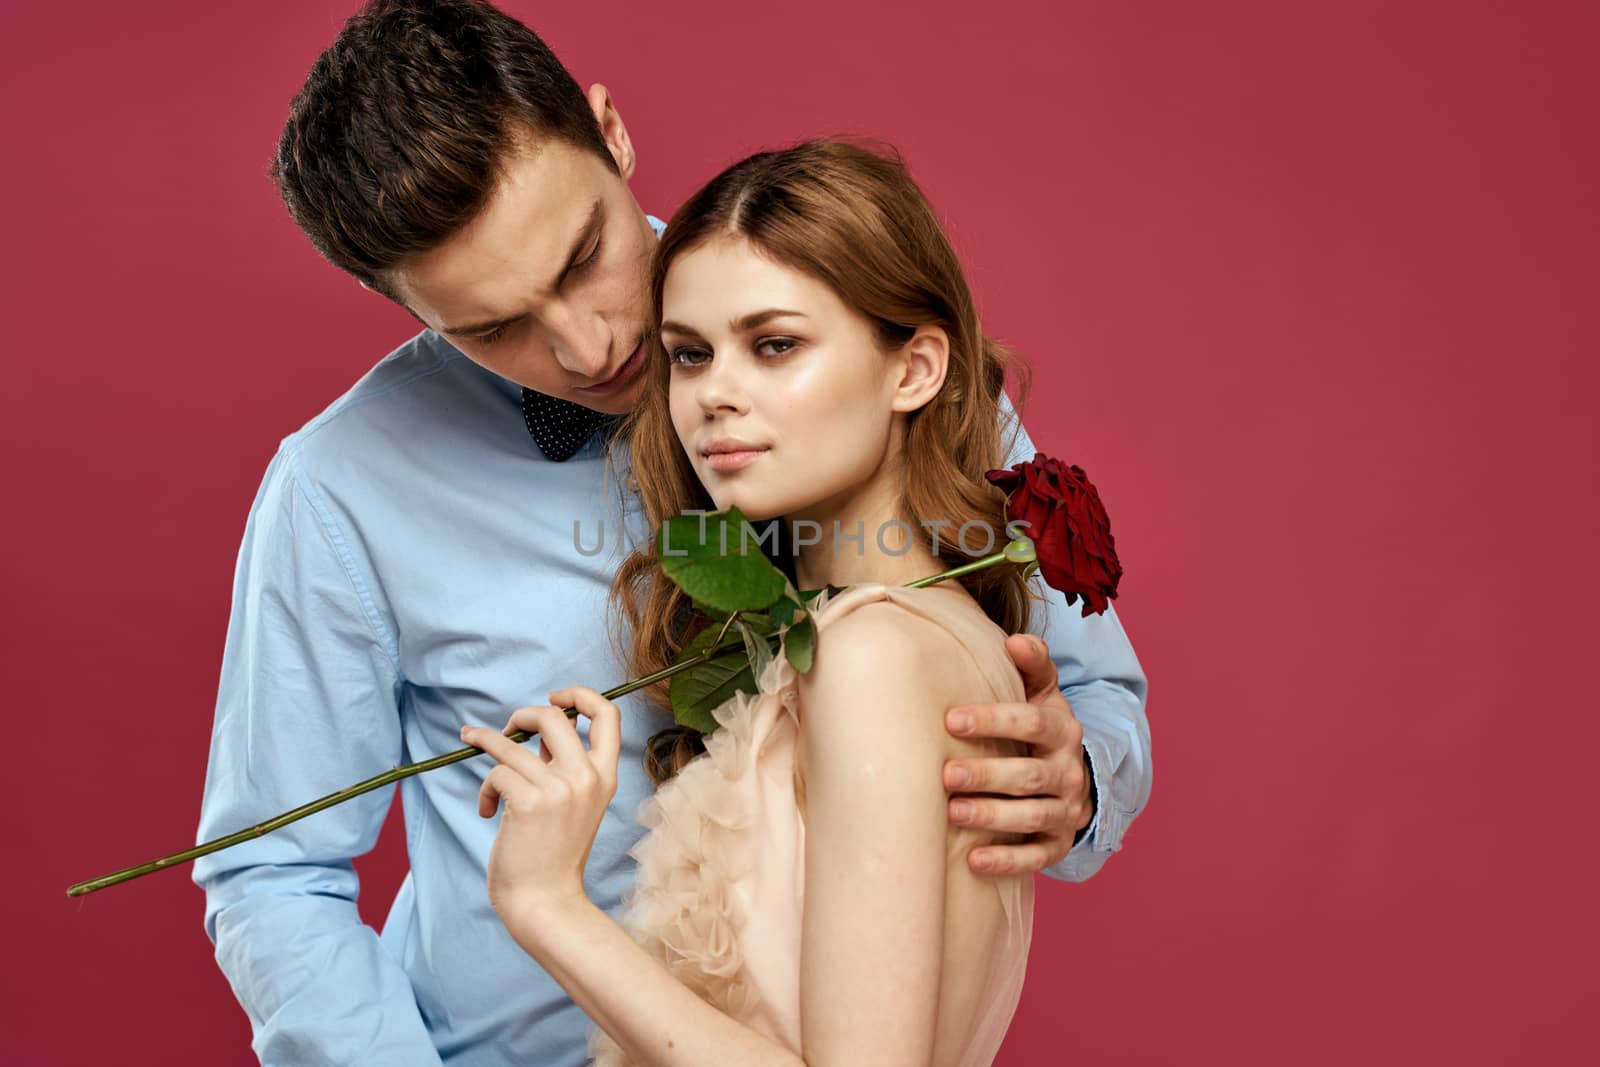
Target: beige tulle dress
<point x="721" y="874"/>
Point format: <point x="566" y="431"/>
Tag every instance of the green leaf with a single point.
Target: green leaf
<point x="697" y="691"/>
<point x="758" y="622"/>
<point x="756" y="648"/>
<point x="716" y="559"/>
<point x="782" y="612"/>
<point x="799" y="643"/>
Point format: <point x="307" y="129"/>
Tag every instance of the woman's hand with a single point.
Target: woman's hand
<point x="553" y="800"/>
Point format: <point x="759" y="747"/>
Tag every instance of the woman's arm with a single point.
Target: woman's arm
<point x="874" y="919"/>
<point x="553" y="802"/>
<point x="657" y="1020"/>
<point x="872" y="741"/>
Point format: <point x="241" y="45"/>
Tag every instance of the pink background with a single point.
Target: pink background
<point x="1303" y="285"/>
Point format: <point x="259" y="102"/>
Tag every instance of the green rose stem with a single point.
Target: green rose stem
<point x="1019" y="551"/>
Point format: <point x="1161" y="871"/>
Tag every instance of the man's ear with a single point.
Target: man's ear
<point x="612" y="130"/>
<point x="924" y="360"/>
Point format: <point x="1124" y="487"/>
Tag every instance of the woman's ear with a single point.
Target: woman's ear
<point x="923" y="362"/>
<point x="612" y="131"/>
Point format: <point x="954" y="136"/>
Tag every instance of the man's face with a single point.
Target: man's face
<point x="549" y="285"/>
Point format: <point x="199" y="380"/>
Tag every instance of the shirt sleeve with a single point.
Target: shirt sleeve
<point x="1101" y="678"/>
<point x="307" y="704"/>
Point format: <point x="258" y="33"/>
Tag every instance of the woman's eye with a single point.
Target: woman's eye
<point x="776" y="346"/>
<point x="689" y="357"/>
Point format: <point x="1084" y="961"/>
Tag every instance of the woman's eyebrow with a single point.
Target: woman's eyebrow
<point x="757" y="319"/>
<point x="753" y="321"/>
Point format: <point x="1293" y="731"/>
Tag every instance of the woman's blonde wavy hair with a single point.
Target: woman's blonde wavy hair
<point x="853" y="219"/>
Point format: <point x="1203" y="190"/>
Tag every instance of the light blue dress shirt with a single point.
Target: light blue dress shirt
<point x="411" y="563"/>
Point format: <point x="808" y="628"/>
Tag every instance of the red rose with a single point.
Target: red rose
<point x="1069" y="527"/>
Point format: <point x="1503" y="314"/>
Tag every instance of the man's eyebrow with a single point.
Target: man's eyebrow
<point x="753" y="321"/>
<point x="579" y="243"/>
<point x="590" y="225"/>
<point x="480" y="327"/>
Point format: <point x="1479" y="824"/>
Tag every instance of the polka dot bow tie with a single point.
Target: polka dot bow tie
<point x="560" y="427"/>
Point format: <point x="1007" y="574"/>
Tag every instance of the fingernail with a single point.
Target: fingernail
<point x="1038" y="642"/>
<point x="959" y="776"/>
<point x="982" y="861"/>
<point x="961" y="810"/>
<point x="961" y="722"/>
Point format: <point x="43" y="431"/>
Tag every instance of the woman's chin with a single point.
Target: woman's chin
<point x="752" y="510"/>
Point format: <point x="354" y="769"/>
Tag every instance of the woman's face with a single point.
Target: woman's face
<point x="781" y="394"/>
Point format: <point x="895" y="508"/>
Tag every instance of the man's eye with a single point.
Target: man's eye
<point x="492" y="336"/>
<point x="581" y="267"/>
<point x="689" y="357"/>
<point x="588" y="260"/>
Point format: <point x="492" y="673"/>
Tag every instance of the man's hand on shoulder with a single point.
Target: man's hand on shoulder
<point x="1048" y="794"/>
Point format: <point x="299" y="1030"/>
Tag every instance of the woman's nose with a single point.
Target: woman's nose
<point x="721" y="387"/>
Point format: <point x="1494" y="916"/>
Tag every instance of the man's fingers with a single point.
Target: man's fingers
<point x="1028" y="816"/>
<point x="1037" y="724"/>
<point x="1017" y="776"/>
<point x="1033" y="661"/>
<point x="1029" y="857"/>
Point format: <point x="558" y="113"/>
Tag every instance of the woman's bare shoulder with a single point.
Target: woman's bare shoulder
<point x="888" y="638"/>
<point x="885" y="653"/>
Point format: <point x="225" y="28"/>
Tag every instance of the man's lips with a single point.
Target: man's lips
<point x="623" y="376"/>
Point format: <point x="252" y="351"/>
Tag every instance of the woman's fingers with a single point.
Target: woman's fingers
<point x="605" y="726"/>
<point x="561" y="750"/>
<point x="503" y="748"/>
<point x="557" y="736"/>
<point x="504" y="783"/>
<point x="521" y="774"/>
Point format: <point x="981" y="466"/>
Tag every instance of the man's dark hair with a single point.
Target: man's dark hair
<point x="398" y="135"/>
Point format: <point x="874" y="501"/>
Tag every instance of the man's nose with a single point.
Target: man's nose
<point x="581" y="345"/>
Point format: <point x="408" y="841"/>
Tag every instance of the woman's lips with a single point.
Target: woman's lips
<point x="722" y="462"/>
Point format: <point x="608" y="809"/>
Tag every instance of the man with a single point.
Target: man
<point x="412" y="561"/>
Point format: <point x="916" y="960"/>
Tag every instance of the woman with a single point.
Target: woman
<point x="801" y="897"/>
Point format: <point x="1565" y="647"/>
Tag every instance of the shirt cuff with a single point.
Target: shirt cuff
<point x="1094" y="801"/>
<point x="1092" y="845"/>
